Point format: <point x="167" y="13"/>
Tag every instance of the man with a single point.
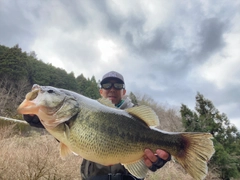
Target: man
<point x="113" y="88"/>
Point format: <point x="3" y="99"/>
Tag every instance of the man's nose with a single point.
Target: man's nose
<point x="112" y="89"/>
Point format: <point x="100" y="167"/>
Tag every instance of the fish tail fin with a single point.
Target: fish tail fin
<point x="196" y="153"/>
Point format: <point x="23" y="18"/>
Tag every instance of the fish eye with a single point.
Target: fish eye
<point x="50" y="91"/>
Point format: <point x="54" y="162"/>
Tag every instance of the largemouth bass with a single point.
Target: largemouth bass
<point x="107" y="135"/>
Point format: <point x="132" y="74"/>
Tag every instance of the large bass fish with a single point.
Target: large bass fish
<point x="108" y="136"/>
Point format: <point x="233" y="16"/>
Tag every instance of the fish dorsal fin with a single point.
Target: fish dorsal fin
<point x="144" y="113"/>
<point x="106" y="102"/>
<point x="137" y="169"/>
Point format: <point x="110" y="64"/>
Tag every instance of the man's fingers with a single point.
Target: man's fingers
<point x="150" y="155"/>
<point x="147" y="161"/>
<point x="162" y="154"/>
<point x="156" y="161"/>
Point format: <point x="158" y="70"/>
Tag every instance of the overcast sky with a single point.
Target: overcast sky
<point x="166" y="49"/>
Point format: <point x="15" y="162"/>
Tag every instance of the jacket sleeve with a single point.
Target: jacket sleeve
<point x="33" y="120"/>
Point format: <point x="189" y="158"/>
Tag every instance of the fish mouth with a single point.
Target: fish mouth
<point x="27" y="106"/>
<point x="33" y="94"/>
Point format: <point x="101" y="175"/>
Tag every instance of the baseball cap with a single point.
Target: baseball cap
<point x="112" y="74"/>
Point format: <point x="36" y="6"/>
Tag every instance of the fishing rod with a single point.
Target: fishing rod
<point x="13" y="120"/>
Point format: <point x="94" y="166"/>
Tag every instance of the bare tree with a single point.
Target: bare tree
<point x="169" y="117"/>
<point x="11" y="95"/>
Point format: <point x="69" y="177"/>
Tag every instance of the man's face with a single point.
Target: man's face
<point x="113" y="94"/>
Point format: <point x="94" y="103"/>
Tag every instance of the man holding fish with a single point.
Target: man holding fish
<point x="117" y="139"/>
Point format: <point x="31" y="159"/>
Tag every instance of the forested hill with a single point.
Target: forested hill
<point x="20" y="70"/>
<point x="16" y="65"/>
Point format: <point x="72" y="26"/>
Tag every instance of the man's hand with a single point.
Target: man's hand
<point x="154" y="162"/>
<point x="33" y="120"/>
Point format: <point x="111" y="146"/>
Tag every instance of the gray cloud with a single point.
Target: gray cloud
<point x="14" y="25"/>
<point x="211" y="37"/>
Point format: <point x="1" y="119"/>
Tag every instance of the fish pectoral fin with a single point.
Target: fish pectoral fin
<point x="137" y="169"/>
<point x="145" y="113"/>
<point x="66" y="131"/>
<point x="64" y="151"/>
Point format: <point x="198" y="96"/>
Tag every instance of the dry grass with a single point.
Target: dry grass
<point x="173" y="171"/>
<point x="37" y="158"/>
<point x="170" y="171"/>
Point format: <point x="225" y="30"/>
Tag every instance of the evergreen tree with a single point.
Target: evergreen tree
<point x="82" y="84"/>
<point x="39" y="72"/>
<point x="226" y="136"/>
<point x="13" y="64"/>
<point x="71" y="82"/>
<point x="92" y="90"/>
<point x="3" y="49"/>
